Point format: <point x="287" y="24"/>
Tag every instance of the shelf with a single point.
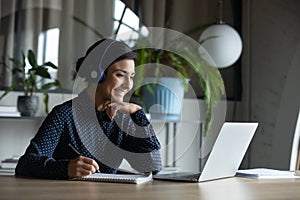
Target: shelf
<point x="22" y="118"/>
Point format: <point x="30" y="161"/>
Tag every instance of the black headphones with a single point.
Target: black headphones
<point x="94" y="65"/>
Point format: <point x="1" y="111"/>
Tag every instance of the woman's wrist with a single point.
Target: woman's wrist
<point x="134" y="108"/>
<point x="139" y="117"/>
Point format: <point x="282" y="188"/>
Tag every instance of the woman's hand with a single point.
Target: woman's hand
<point x="82" y="166"/>
<point x="113" y="107"/>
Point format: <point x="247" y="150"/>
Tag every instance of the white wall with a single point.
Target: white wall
<point x="272" y="67"/>
<point x="15" y="133"/>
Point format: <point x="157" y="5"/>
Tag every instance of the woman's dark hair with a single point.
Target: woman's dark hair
<point x="128" y="54"/>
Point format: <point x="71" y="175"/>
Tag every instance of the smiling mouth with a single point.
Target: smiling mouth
<point x="120" y="93"/>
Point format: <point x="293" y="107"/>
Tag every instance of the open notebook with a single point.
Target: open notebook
<point x="117" y="178"/>
<point x="266" y="173"/>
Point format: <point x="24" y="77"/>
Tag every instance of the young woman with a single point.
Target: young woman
<point x="96" y="130"/>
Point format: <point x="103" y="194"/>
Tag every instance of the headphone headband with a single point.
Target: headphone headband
<point x="101" y="57"/>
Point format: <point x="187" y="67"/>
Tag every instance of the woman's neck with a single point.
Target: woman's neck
<point x="95" y="96"/>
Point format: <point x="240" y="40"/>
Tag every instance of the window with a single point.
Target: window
<point x="48" y="45"/>
<point x="127" y="25"/>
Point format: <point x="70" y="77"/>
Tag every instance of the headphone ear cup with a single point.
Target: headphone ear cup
<point x="102" y="78"/>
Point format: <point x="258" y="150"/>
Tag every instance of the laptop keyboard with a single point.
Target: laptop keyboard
<point x="180" y="176"/>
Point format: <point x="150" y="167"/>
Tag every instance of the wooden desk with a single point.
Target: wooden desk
<point x="231" y="188"/>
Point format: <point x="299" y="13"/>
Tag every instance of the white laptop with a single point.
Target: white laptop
<point x="225" y="157"/>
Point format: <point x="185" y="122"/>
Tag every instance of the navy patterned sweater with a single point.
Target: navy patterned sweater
<point x="94" y="135"/>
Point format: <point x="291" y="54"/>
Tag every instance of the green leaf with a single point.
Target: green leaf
<point x="50" y="64"/>
<point x="23" y="61"/>
<point x="150" y="89"/>
<point x="17" y="70"/>
<point x="32" y="59"/>
<point x="51" y="84"/>
<point x="8" y="90"/>
<point x="16" y="62"/>
<point x="46" y="102"/>
<point x="43" y="72"/>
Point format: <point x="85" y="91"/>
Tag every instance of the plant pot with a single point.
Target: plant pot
<point x="28" y="105"/>
<point x="164" y="98"/>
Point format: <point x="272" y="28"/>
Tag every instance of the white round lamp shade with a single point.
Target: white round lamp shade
<point x="222" y="43"/>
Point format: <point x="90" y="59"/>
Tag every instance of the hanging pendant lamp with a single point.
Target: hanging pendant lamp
<point x="221" y="42"/>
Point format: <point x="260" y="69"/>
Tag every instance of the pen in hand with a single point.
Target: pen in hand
<point x="78" y="153"/>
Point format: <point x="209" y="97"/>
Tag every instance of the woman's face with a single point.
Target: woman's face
<point x="118" y="81"/>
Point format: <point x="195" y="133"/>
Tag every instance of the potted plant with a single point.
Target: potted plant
<point x="185" y="62"/>
<point x="163" y="83"/>
<point x="29" y="81"/>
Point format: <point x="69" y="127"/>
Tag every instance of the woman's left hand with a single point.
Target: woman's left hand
<point x="127" y="108"/>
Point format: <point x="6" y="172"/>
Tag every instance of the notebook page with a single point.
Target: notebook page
<point x="117" y="178"/>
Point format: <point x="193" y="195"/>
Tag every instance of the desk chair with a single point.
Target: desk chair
<point x="295" y="154"/>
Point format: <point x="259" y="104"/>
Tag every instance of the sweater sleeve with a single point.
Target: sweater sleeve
<point x="38" y="159"/>
<point x="142" y="145"/>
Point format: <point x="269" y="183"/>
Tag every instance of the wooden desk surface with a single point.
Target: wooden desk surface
<point x="231" y="188"/>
